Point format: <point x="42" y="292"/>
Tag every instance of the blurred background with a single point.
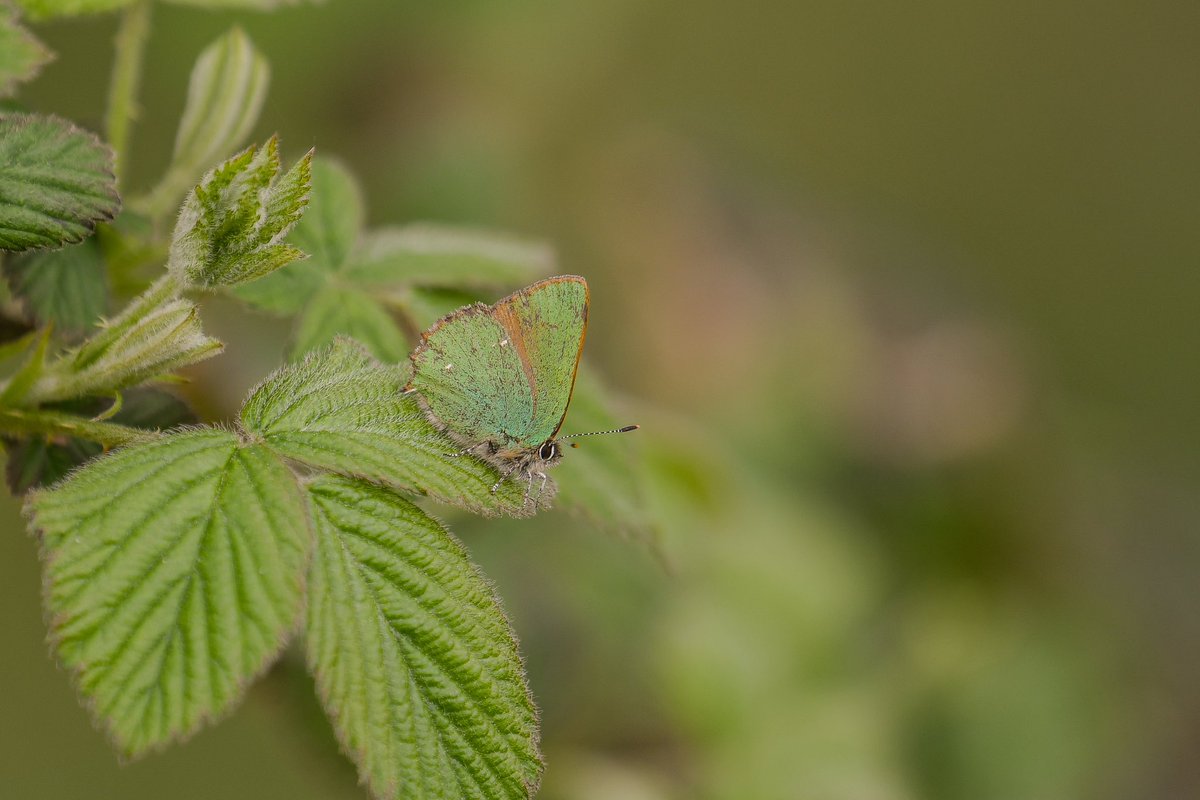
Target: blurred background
<point x="902" y="296"/>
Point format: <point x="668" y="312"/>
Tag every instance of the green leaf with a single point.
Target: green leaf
<point x="604" y="477"/>
<point x="232" y="225"/>
<point x="156" y="334"/>
<point x="225" y="95"/>
<point x="16" y="389"/>
<point x="21" y="55"/>
<point x="40" y="461"/>
<point x="255" y="5"/>
<point x="328" y="233"/>
<point x="413" y="658"/>
<point x="44" y="9"/>
<point x="330" y="230"/>
<point x="448" y="257"/>
<point x="66" y="287"/>
<point x="342" y="411"/>
<point x="56" y="182"/>
<point x="337" y="311"/>
<point x="174" y="574"/>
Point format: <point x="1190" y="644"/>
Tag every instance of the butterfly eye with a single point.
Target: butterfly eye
<point x="547" y="451"/>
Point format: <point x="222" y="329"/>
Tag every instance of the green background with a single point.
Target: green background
<point x="904" y="298"/>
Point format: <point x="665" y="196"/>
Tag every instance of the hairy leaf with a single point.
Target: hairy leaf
<point x="21" y="55"/>
<point x="327" y="233"/>
<point x="41" y="461"/>
<point x="156" y="334"/>
<point x="225" y="94"/>
<point x="342" y="411"/>
<point x="232" y="226"/>
<point x="56" y="182"/>
<point x="174" y="574"/>
<point x="66" y="287"/>
<point x="42" y="9"/>
<point x="337" y="311"/>
<point x="413" y="658"/>
<point x="444" y="256"/>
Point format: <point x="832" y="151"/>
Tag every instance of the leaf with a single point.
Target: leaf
<point x="66" y="287"/>
<point x="41" y="461"/>
<point x="44" y="9"/>
<point x="447" y="257"/>
<point x="137" y="346"/>
<point x="413" y="658"/>
<point x="255" y="5"/>
<point x="21" y="55"/>
<point x="174" y="574"/>
<point x="225" y="95"/>
<point x="342" y="411"/>
<point x="18" y="386"/>
<point x="348" y="312"/>
<point x="232" y="225"/>
<point x="604" y="477"/>
<point x="328" y="233"/>
<point x="56" y="182"/>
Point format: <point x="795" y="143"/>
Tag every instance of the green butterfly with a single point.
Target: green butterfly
<point x="498" y="379"/>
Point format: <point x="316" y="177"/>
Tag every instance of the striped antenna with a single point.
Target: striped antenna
<point x="626" y="429"/>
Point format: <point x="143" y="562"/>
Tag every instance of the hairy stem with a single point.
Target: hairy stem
<point x="126" y="78"/>
<point x="19" y="422"/>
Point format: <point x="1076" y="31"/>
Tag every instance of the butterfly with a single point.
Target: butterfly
<point x="498" y="379"/>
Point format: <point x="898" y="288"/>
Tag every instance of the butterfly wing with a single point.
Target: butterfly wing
<point x="547" y="323"/>
<point x="505" y="373"/>
<point x="475" y="386"/>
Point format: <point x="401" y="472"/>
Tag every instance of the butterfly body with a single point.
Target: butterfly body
<point x="498" y="379"/>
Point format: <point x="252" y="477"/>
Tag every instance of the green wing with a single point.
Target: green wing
<point x="548" y="321"/>
<point x="472" y="385"/>
<point x="504" y="374"/>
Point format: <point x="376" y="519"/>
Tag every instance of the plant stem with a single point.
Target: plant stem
<point x="55" y="423"/>
<point x="130" y="47"/>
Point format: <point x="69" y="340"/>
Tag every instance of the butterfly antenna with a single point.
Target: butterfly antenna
<point x="626" y="429"/>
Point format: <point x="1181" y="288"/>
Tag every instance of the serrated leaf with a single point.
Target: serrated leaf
<point x="412" y="656"/>
<point x="447" y="257"/>
<point x="44" y="9"/>
<point x="66" y="287"/>
<point x="225" y="95"/>
<point x="232" y="225"/>
<point x="56" y="182"/>
<point x="342" y="411"/>
<point x="328" y="233"/>
<point x="174" y="574"/>
<point x="337" y="311"/>
<point x="21" y="55"/>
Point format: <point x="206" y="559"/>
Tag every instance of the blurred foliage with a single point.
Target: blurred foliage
<point x="908" y="286"/>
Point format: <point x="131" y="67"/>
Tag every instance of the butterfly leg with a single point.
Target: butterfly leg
<point x="503" y="478"/>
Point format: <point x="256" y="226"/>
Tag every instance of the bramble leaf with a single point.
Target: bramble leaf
<point x="66" y="287"/>
<point x="603" y="478"/>
<point x="232" y="225"/>
<point x="44" y="9"/>
<point x="21" y="55"/>
<point x="174" y="574"/>
<point x="327" y="232"/>
<point x="354" y="283"/>
<point x="413" y="658"/>
<point x="40" y="461"/>
<point x="447" y="257"/>
<point x="225" y="95"/>
<point x="56" y="182"/>
<point x="342" y="411"/>
<point x="155" y="334"/>
<point x="349" y="312"/>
